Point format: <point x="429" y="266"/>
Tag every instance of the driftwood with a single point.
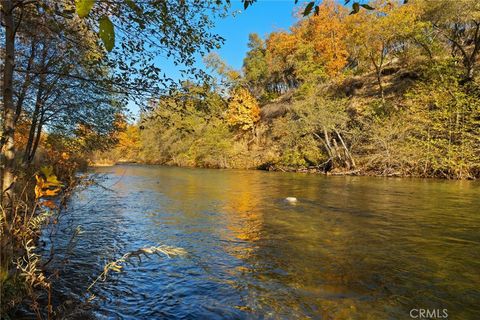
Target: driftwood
<point x="345" y="173"/>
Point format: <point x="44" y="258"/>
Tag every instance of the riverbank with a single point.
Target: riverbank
<point x="275" y="168"/>
<point x="42" y="192"/>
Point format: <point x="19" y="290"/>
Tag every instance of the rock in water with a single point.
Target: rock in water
<point x="291" y="199"/>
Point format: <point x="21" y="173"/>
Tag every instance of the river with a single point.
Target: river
<point x="350" y="248"/>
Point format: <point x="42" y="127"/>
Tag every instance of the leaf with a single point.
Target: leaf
<point x="47" y="183"/>
<point x="46" y="171"/>
<point x="51" y="192"/>
<point x="247" y="3"/>
<point x="49" y="204"/>
<point x="366" y="6"/>
<point x="50" y="178"/>
<point x="308" y="8"/>
<point x="83" y="7"/>
<point x="107" y="33"/>
<point x="355" y="7"/>
<point x="135" y="8"/>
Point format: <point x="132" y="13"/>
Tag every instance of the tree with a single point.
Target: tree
<point x="243" y="110"/>
<point x="8" y="120"/>
<point x="325" y="32"/>
<point x="280" y="59"/>
<point x="445" y="118"/>
<point x="325" y="120"/>
<point x="227" y="76"/>
<point x="375" y="36"/>
<point x="459" y="23"/>
<point x="255" y="67"/>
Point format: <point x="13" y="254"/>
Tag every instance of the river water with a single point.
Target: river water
<point x="350" y="248"/>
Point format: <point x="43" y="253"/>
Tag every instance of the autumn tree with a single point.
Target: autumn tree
<point x="458" y="22"/>
<point x="376" y="36"/>
<point x="324" y="34"/>
<point x="281" y="47"/>
<point x="243" y="110"/>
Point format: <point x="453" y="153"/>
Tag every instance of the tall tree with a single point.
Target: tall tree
<point x="376" y="36"/>
<point x="459" y="23"/>
<point x="255" y="67"/>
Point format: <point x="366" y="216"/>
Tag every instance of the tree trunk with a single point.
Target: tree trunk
<point x="26" y="84"/>
<point x="8" y="150"/>
<point x="380" y="84"/>
<point x="31" y="134"/>
<point x="327" y="141"/>
<point x="347" y="152"/>
<point x="7" y="144"/>
<point x="36" y="113"/>
<point x="37" y="140"/>
<point x="378" y="70"/>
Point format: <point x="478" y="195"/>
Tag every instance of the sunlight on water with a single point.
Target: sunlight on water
<point x="351" y="247"/>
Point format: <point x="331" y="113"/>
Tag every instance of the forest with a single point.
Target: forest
<point x="381" y="88"/>
<point x="391" y="91"/>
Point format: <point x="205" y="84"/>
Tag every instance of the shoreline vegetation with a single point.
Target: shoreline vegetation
<point x="309" y="170"/>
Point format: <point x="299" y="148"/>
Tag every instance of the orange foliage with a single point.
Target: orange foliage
<point x="327" y="32"/>
<point x="280" y="46"/>
<point x="316" y="45"/>
<point x="129" y="139"/>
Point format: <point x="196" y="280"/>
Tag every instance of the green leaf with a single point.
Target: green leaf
<point x="368" y="7"/>
<point x="308" y="8"/>
<point x="83" y="7"/>
<point x="135" y="8"/>
<point x="107" y="33"/>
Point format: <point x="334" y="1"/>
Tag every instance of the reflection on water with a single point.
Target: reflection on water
<point x="352" y="247"/>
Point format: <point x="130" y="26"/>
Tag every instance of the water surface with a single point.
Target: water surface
<point x="351" y="248"/>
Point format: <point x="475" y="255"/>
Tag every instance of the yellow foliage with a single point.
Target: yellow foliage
<point x="327" y="31"/>
<point x="47" y="183"/>
<point x="129" y="139"/>
<point x="243" y="110"/>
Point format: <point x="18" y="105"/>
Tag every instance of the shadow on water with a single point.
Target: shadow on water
<point x="351" y="247"/>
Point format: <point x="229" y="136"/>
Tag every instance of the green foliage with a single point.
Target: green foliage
<point x="107" y="33"/>
<point x="255" y="67"/>
<point x="84" y="7"/>
<point x="446" y="119"/>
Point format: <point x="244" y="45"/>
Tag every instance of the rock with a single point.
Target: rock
<point x="291" y="199"/>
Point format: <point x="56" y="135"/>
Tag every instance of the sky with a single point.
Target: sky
<point x="263" y="17"/>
